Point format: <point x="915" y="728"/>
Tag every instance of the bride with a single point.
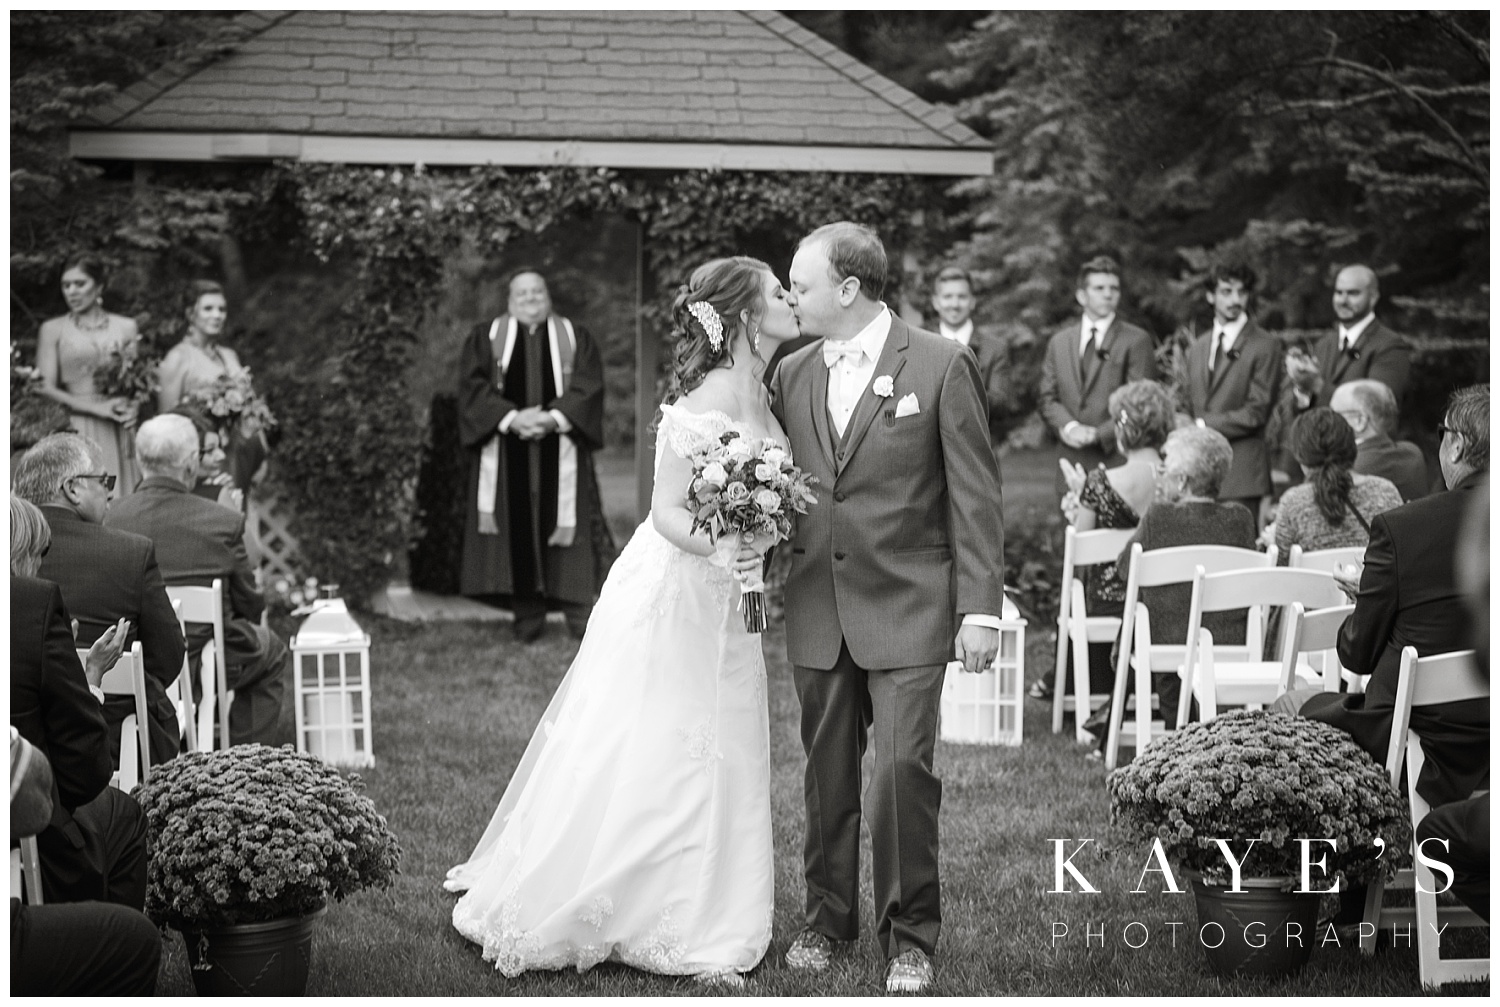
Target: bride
<point x="637" y="826"/>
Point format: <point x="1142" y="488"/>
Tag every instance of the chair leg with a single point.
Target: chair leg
<point x="1060" y="675"/>
<point x="1082" y="688"/>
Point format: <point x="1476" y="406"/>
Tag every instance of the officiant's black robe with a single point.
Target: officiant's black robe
<point x="517" y="561"/>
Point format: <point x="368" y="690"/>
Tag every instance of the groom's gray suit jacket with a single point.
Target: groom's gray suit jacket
<point x="906" y="536"/>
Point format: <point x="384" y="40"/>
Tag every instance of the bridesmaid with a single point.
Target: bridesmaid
<point x="195" y="363"/>
<point x="71" y="348"/>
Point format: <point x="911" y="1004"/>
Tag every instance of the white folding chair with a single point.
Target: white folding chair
<point x="1315" y="634"/>
<point x="1251" y="682"/>
<point x="1329" y="560"/>
<point x="1426" y="681"/>
<point x="180" y="692"/>
<point x="1076" y="628"/>
<point x="26" y="872"/>
<point x="206" y="605"/>
<point x="128" y="678"/>
<point x="1158" y="568"/>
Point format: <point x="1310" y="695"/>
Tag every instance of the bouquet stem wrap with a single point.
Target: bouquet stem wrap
<point x="752" y="587"/>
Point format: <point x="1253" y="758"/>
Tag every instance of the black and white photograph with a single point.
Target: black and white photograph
<point x="807" y="503"/>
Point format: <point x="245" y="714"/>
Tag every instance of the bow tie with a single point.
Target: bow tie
<point x="849" y="350"/>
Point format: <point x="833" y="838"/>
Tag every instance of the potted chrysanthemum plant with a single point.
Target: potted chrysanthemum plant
<point x="247" y="845"/>
<point x="1274" y="793"/>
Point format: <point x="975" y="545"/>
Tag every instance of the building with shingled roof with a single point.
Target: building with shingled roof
<point x="623" y="89"/>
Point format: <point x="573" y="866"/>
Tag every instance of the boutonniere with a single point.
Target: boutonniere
<point x="884" y="386"/>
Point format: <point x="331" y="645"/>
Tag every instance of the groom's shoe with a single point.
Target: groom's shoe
<point x="811" y="951"/>
<point x="909" y="972"/>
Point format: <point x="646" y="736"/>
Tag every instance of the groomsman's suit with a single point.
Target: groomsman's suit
<point x="1233" y="392"/>
<point x="1379" y="352"/>
<point x="1077" y="389"/>
<point x="1376" y="352"/>
<point x="904" y="541"/>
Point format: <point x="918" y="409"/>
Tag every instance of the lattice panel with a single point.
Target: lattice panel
<point x="280" y="556"/>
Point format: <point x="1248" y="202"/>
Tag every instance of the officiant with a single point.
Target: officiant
<point x="531" y="414"/>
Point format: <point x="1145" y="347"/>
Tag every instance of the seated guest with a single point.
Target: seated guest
<point x="1333" y="507"/>
<point x="1408" y="596"/>
<point x="71" y="949"/>
<point x="1465" y="825"/>
<point x="196" y="542"/>
<point x="94" y="846"/>
<point x="1186" y="511"/>
<point x="1116" y="497"/>
<point x="105" y="575"/>
<point x="215" y="482"/>
<point x="1370" y="410"/>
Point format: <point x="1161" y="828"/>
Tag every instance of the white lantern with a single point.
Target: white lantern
<point x="331" y="658"/>
<point x="985" y="708"/>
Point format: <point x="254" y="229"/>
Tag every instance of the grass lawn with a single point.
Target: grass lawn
<point x="455" y="704"/>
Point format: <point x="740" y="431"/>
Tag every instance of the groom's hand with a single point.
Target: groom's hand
<point x="977" y="647"/>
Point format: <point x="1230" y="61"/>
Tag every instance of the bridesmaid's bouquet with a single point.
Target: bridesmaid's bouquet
<point x="746" y="486"/>
<point x="233" y="399"/>
<point x="122" y="375"/>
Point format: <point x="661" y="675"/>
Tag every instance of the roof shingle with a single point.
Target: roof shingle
<point x="714" y="76"/>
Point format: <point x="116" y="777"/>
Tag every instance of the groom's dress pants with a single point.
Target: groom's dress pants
<point x="897" y="711"/>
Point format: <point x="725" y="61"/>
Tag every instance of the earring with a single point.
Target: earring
<point x="755" y="339"/>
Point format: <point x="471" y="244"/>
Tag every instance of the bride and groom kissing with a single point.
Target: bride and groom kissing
<point x="637" y="826"/>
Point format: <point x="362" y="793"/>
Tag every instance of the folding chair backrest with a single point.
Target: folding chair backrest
<point x="1179" y="564"/>
<point x="128" y="678"/>
<point x="1425" y="681"/>
<point x="1328" y="560"/>
<point x="1313" y="633"/>
<point x="1102" y="545"/>
<point x="206" y="605"/>
<point x="1273" y="586"/>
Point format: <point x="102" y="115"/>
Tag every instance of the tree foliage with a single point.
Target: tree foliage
<point x="1298" y="142"/>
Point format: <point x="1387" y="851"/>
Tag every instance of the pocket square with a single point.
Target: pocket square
<point x="907" y="406"/>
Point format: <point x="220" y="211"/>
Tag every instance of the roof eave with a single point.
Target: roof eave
<point x="144" y="145"/>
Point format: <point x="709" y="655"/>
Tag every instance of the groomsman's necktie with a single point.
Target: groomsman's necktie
<point x="1086" y="361"/>
<point x="1218" y="360"/>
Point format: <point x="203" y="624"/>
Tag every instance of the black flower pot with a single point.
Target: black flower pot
<point x="253" y="959"/>
<point x="1261" y="931"/>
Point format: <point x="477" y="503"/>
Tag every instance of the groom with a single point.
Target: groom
<point x="898" y="560"/>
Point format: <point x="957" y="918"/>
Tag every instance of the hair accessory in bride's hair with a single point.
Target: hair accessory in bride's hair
<point x="711" y="322"/>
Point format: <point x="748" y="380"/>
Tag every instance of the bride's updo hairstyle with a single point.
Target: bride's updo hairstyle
<point x="728" y="286"/>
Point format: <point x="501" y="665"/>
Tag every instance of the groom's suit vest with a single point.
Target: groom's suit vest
<point x="905" y="537"/>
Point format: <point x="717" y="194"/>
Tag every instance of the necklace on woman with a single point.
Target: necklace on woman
<point x="91" y="319"/>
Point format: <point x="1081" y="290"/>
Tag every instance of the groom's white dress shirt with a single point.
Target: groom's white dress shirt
<point x="850" y="373"/>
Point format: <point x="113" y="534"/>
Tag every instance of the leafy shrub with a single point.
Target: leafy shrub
<point x="251" y="833"/>
<point x="1266" y="777"/>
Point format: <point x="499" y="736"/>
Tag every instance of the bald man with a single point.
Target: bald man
<point x="1358" y="347"/>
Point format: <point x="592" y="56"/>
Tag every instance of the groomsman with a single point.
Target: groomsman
<point x="953" y="300"/>
<point x="1358" y="347"/>
<point x="1230" y="384"/>
<point x="1085" y="362"/>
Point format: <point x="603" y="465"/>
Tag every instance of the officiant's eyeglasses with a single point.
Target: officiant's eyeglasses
<point x="105" y="480"/>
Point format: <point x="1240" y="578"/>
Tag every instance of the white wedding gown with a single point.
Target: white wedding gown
<point x="637" y="826"/>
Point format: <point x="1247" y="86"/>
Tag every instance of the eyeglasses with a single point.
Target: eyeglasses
<point x="105" y="480"/>
<point x="1445" y="429"/>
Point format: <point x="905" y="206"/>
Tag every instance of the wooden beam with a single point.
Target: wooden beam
<point x="646" y="361"/>
<point x="156" y="146"/>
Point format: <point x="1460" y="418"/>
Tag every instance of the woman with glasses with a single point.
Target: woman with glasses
<point x="71" y="352"/>
<point x="1332" y="509"/>
<point x="214" y="480"/>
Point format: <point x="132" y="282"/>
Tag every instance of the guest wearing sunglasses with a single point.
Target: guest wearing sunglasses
<point x="108" y="577"/>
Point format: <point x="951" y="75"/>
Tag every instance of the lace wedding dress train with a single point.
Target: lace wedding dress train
<point x="637" y="826"/>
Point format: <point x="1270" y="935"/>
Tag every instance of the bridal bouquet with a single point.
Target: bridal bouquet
<point x="746" y="486"/>
<point x="234" y="399"/>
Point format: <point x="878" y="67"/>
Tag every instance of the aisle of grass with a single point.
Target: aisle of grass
<point x="455" y="705"/>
